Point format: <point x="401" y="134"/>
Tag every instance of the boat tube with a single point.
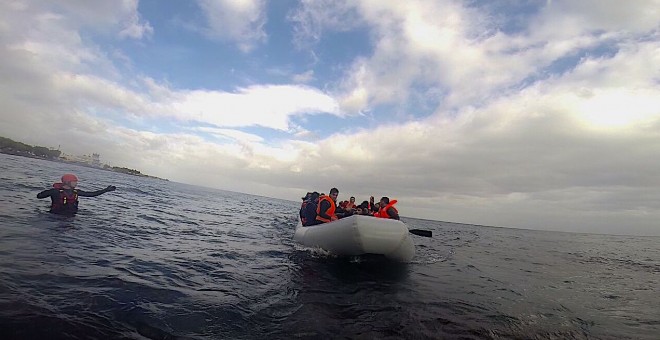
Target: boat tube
<point x="359" y="235"/>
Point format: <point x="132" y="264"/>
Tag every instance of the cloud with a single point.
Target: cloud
<point x="304" y="77"/>
<point x="132" y="23"/>
<point x="443" y="45"/>
<point x="238" y="21"/>
<point x="565" y="18"/>
<point x="269" y="106"/>
<point x="118" y="18"/>
<point x="313" y="17"/>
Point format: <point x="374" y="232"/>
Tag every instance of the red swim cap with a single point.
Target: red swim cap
<point x="66" y="178"/>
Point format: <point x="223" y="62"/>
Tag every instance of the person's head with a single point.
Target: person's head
<point x="352" y="199"/>
<point x="314" y="196"/>
<point x="384" y="201"/>
<point x="334" y="192"/>
<point x="371" y="199"/>
<point x="69" y="180"/>
<point x="307" y="196"/>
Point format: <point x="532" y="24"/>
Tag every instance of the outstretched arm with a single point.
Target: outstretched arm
<point x="45" y="193"/>
<point x="97" y="192"/>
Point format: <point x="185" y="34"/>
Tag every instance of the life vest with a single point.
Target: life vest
<point x="382" y="213"/>
<point x="330" y="212"/>
<point x="67" y="201"/>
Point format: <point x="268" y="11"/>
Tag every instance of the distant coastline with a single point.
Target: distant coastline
<point x="11" y="147"/>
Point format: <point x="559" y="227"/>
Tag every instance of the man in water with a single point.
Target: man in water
<point x="64" y="196"/>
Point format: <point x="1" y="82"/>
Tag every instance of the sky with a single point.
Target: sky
<point x="518" y="113"/>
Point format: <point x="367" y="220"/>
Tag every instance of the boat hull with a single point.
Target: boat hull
<point x="359" y="235"/>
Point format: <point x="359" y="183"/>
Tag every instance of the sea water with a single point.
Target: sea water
<point x="163" y="260"/>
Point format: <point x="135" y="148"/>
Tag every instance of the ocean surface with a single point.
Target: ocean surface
<point x="163" y="260"/>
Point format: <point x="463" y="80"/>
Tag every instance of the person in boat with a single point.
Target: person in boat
<point x="326" y="208"/>
<point x="387" y="209"/>
<point x="351" y="203"/>
<point x="64" y="195"/>
<point x="308" y="212"/>
<point x="341" y="205"/>
<point x="363" y="209"/>
<point x="342" y="212"/>
<point x="372" y="206"/>
<point x="349" y="208"/>
<point x="305" y="201"/>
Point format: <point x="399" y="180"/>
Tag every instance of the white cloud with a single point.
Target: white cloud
<point x="239" y="21"/>
<point x="444" y="45"/>
<point x="119" y="18"/>
<point x="304" y="77"/>
<point x="268" y="106"/>
<point x="566" y="18"/>
<point x="133" y="27"/>
<point x="313" y="17"/>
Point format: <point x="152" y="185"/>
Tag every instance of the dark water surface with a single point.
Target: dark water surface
<point x="161" y="260"/>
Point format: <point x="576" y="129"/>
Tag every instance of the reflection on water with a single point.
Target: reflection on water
<point x="162" y="260"/>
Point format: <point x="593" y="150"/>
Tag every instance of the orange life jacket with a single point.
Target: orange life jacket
<point x="330" y="212"/>
<point x="382" y="213"/>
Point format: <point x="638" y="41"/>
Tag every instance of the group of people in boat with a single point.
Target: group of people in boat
<point x="321" y="208"/>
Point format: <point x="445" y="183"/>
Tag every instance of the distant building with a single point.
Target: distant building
<point x="91" y="160"/>
<point x="96" y="159"/>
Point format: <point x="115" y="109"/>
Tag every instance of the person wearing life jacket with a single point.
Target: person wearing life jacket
<point x="387" y="209"/>
<point x="325" y="211"/>
<point x="309" y="212"/>
<point x="351" y="206"/>
<point x="305" y="201"/>
<point x="64" y="195"/>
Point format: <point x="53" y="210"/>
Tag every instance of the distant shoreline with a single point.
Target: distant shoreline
<point x="87" y="165"/>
